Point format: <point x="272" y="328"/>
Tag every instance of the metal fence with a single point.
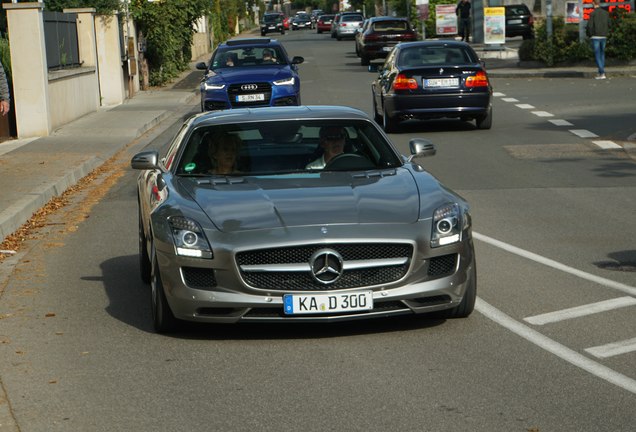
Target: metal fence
<point x="60" y="37"/>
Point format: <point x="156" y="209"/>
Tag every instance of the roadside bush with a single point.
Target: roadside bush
<point x="621" y="43"/>
<point x="5" y="58"/>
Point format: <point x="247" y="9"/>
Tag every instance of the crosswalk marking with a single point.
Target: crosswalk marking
<point x="613" y="349"/>
<point x="581" y="311"/>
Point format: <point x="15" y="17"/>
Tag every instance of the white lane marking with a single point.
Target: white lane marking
<point x="555" y="348"/>
<point x="498" y="94"/>
<point x="560" y="122"/>
<point x="510" y="99"/>
<point x="583" y="133"/>
<point x="525" y="106"/>
<point x="607" y="144"/>
<point x="613" y="349"/>
<point x="542" y="114"/>
<point x="557" y="265"/>
<point x="580" y="311"/>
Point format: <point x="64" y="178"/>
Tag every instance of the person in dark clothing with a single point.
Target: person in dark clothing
<point x="5" y="96"/>
<point x="598" y="29"/>
<point x="463" y="13"/>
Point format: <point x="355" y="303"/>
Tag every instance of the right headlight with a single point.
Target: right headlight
<point x="189" y="239"/>
<point x="447" y="225"/>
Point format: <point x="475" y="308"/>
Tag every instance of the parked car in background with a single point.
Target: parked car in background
<point x="272" y="22"/>
<point x="432" y="79"/>
<point x="323" y="23"/>
<point x="371" y="234"/>
<point x="519" y="21"/>
<point x="250" y="73"/>
<point x="348" y="25"/>
<point x="379" y="35"/>
<point x="301" y="21"/>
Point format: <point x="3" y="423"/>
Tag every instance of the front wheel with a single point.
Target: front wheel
<point x="162" y="318"/>
<point x="467" y="305"/>
<point x="364" y="60"/>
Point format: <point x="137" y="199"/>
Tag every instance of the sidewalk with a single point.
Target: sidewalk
<point x="35" y="170"/>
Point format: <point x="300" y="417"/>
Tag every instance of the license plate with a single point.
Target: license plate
<point x="296" y="304"/>
<point x="441" y="82"/>
<point x="387" y="48"/>
<point x="250" y="97"/>
<point x="515" y="21"/>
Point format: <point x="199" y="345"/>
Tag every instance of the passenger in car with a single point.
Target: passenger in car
<point x="332" y="142"/>
<point x="223" y="151"/>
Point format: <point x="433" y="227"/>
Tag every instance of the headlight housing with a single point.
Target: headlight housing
<point x="286" y="81"/>
<point x="189" y="239"/>
<point x="207" y="86"/>
<point x="447" y="225"/>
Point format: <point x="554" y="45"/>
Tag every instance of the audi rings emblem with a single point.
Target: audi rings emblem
<point x="247" y="87"/>
<point x="326" y="266"/>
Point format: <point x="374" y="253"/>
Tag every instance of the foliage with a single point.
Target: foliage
<point x="621" y="42"/>
<point x="105" y="7"/>
<point x="565" y="47"/>
<point x="168" y="29"/>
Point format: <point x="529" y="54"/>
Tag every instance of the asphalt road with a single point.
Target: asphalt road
<point x="553" y="224"/>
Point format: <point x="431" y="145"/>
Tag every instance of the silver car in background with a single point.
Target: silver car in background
<point x="293" y="231"/>
<point x="348" y="25"/>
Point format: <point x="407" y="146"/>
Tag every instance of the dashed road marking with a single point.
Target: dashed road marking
<point x="560" y="122"/>
<point x="583" y="133"/>
<point x="508" y="99"/>
<point x="608" y="145"/>
<point x="542" y="114"/>
<point x="498" y="94"/>
<point x="525" y="106"/>
<point x="581" y="311"/>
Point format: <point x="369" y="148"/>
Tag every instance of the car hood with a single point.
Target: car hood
<point x="248" y="203"/>
<point x="249" y="74"/>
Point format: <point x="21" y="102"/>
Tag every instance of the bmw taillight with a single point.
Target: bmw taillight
<point x="410" y="36"/>
<point x="480" y="79"/>
<point x="371" y="37"/>
<point x="402" y="82"/>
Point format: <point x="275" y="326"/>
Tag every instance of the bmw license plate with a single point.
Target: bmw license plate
<point x="441" y="82"/>
<point x="250" y="97"/>
<point x="387" y="48"/>
<point x="295" y="304"/>
<point x="514" y="21"/>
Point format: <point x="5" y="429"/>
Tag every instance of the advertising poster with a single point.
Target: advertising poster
<point x="445" y="20"/>
<point x="494" y="25"/>
<point x="422" y="9"/>
<point x="572" y="12"/>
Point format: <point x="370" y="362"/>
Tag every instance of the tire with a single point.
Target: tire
<point x="389" y="123"/>
<point x="485" y="122"/>
<point x="145" y="267"/>
<point x="319" y="31"/>
<point x="376" y="116"/>
<point x="467" y="305"/>
<point x="364" y="60"/>
<point x="263" y="33"/>
<point x="162" y="318"/>
<point x="338" y="38"/>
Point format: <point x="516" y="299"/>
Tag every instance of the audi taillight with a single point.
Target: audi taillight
<point x="402" y="82"/>
<point x="480" y="79"/>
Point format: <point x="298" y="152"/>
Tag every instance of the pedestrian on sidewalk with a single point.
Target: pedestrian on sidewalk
<point x="5" y="96"/>
<point x="463" y="13"/>
<point x="598" y="29"/>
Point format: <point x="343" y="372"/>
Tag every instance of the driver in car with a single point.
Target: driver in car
<point x="332" y="141"/>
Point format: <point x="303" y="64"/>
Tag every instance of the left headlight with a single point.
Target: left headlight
<point x="207" y="86"/>
<point x="286" y="81"/>
<point x="447" y="225"/>
<point x="189" y="239"/>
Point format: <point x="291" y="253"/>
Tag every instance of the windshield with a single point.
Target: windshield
<point x="286" y="146"/>
<point x="248" y="57"/>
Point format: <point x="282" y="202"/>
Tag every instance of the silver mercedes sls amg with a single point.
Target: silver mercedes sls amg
<point x="298" y="214"/>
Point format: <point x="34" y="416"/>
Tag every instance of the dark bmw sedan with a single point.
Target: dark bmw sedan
<point x="250" y="73"/>
<point x="431" y="79"/>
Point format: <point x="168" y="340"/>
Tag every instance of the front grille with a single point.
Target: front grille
<point x="200" y="278"/>
<point x="442" y="265"/>
<point x="261" y="88"/>
<point x="303" y="281"/>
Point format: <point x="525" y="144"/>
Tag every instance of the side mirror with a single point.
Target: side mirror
<point x="421" y="147"/>
<point x="201" y="66"/>
<point x="144" y="160"/>
<point x="298" y="60"/>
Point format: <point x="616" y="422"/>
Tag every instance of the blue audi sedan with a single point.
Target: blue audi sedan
<point x="247" y="73"/>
